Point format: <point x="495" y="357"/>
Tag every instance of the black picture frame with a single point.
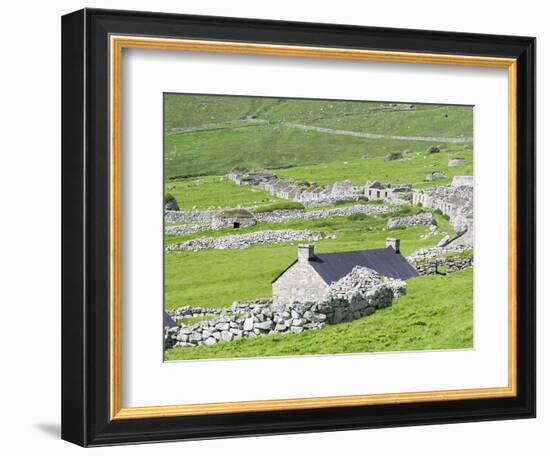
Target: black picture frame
<point x="85" y="228"/>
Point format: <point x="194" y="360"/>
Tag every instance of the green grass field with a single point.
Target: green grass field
<point x="411" y="171"/>
<point x="213" y="192"/>
<point x="435" y="314"/>
<point x="184" y="111"/>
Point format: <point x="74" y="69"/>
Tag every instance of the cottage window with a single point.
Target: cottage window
<point x="236" y="225"/>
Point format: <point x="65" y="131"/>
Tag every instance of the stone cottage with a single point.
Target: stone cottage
<point x="377" y="191"/>
<point x="396" y="193"/>
<point x="233" y="218"/>
<point x="309" y="277"/>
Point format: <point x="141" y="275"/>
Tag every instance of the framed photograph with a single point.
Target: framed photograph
<point x="277" y="227"/>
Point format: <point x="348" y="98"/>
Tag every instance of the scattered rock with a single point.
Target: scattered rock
<point x="393" y="156"/>
<point x="434" y="175"/>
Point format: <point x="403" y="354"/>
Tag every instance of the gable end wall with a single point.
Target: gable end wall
<point x="300" y="283"/>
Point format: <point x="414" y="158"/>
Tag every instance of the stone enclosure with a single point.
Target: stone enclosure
<point x="358" y="294"/>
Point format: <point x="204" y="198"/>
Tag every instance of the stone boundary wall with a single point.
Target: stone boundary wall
<point x="277" y="216"/>
<point x="243" y="241"/>
<point x="190" y="216"/>
<point x="451" y="264"/>
<point x="324" y="213"/>
<point x="358" y="294"/>
<point x="427" y="261"/>
<point x="425" y="218"/>
<point x="182" y="230"/>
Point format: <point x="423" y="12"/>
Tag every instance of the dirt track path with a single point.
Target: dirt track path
<point x="330" y="131"/>
<point x="358" y="134"/>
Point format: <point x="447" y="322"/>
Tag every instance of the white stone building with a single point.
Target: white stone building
<point x="308" y="278"/>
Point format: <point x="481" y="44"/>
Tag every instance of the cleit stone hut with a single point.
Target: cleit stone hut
<point x="233" y="218"/>
<point x="309" y="277"/>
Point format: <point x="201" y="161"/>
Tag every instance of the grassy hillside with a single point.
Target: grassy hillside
<point x="184" y="111"/>
<point x="206" y="136"/>
<point x="436" y="313"/>
<point x="221" y="143"/>
<point x="412" y="171"/>
<point x="214" y="191"/>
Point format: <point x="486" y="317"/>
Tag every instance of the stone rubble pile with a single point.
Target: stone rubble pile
<point x="425" y="218"/>
<point x="243" y="241"/>
<point x="358" y="294"/>
<point x="453" y="257"/>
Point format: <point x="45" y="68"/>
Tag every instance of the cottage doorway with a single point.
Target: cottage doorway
<point x="236" y="225"/>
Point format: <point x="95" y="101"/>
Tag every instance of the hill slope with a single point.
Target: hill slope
<point x="208" y="135"/>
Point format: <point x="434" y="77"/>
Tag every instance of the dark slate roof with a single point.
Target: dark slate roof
<point x="333" y="266"/>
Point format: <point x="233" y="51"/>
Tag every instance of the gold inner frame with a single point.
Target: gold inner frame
<point x="117" y="44"/>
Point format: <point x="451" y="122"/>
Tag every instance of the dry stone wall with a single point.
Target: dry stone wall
<point x="189" y="216"/>
<point x="291" y="215"/>
<point x="183" y="230"/>
<point x="358" y="294"/>
<point x="243" y="241"/>
<point x="277" y="216"/>
<point x="432" y="260"/>
<point x="425" y="218"/>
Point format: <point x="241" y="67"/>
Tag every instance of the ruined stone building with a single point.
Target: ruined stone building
<point x="397" y="193"/>
<point x="455" y="200"/>
<point x="233" y="218"/>
<point x="308" y="278"/>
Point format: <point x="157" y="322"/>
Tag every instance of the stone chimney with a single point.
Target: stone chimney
<point x="305" y="252"/>
<point x="394" y="243"/>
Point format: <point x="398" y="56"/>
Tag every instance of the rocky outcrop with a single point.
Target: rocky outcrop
<point x="434" y="175"/>
<point x="393" y="156"/>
